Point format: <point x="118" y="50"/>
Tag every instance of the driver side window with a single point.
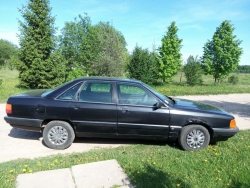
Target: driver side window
<point x="135" y="95"/>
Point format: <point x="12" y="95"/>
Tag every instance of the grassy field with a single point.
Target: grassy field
<point x="155" y="164"/>
<point x="208" y="87"/>
<point x="10" y="86"/>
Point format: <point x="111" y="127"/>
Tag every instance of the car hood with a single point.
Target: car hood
<point x="198" y="106"/>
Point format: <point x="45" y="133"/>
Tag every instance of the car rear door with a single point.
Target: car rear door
<point x="137" y="113"/>
<point x="94" y="111"/>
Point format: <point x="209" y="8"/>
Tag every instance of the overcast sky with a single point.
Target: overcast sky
<point x="144" y="23"/>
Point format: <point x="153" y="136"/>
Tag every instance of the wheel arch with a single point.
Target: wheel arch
<point x="195" y="121"/>
<point x="46" y="121"/>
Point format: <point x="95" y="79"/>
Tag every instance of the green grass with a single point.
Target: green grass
<point x="155" y="164"/>
<point x="10" y="85"/>
<point x="208" y="87"/>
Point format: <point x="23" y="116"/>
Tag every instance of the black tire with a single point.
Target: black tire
<point x="58" y="135"/>
<point x="194" y="137"/>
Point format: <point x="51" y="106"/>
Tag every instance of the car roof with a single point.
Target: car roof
<point x="108" y="79"/>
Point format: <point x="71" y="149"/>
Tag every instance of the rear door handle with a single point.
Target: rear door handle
<point x="124" y="110"/>
<point x="77" y="107"/>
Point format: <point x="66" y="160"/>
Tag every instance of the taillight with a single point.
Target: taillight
<point x="8" y="108"/>
<point x="232" y="123"/>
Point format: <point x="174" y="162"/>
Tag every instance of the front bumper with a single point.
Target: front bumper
<point x="222" y="134"/>
<point x="24" y="123"/>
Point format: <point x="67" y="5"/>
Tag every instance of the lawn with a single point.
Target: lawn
<point x="10" y="86"/>
<point x="157" y="164"/>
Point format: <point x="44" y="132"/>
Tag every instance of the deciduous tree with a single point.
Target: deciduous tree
<point x="221" y="55"/>
<point x="105" y="51"/>
<point x="7" y="49"/>
<point x="169" y="54"/>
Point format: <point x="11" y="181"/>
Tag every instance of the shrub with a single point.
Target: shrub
<point x="233" y="80"/>
<point x="76" y="72"/>
<point x="193" y="71"/>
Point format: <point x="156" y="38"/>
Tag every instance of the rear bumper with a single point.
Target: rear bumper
<point x="24" y="123"/>
<point x="222" y="134"/>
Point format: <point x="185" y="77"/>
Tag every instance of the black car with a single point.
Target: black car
<point x="117" y="108"/>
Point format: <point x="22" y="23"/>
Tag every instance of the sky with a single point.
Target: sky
<point x="144" y="23"/>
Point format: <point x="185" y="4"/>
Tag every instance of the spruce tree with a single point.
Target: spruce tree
<point x="143" y="66"/>
<point x="169" y="54"/>
<point x="221" y="55"/>
<point x="38" y="64"/>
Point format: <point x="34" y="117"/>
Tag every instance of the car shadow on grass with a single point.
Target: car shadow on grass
<point x="154" y="177"/>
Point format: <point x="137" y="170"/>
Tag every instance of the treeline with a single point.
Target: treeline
<point x="243" y="69"/>
<point x="45" y="60"/>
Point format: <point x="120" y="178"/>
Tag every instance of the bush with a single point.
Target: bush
<point x="233" y="80"/>
<point x="193" y="71"/>
<point x="1" y="81"/>
<point x="76" y="72"/>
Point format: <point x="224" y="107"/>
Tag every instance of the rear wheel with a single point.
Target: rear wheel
<point x="58" y="135"/>
<point x="194" y="137"/>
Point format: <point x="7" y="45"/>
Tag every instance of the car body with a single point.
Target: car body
<point x="117" y="108"/>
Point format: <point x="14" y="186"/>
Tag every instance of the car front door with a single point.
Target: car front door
<point x="94" y="111"/>
<point x="137" y="113"/>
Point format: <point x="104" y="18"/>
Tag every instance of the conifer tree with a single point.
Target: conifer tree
<point x="38" y="64"/>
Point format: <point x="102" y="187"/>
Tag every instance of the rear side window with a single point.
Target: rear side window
<point x="96" y="92"/>
<point x="70" y="93"/>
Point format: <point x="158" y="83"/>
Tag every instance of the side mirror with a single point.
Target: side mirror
<point x="159" y="105"/>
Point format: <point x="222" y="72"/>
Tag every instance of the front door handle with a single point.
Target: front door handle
<point x="125" y="110"/>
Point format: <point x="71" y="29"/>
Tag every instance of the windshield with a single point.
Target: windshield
<point x="161" y="96"/>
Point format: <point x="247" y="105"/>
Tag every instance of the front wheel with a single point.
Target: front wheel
<point x="58" y="135"/>
<point x="194" y="137"/>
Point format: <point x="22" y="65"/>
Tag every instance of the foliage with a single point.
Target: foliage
<point x="233" y="79"/>
<point x="7" y="49"/>
<point x="243" y="69"/>
<point x="155" y="164"/>
<point x="1" y="81"/>
<point x="169" y="54"/>
<point x="71" y="44"/>
<point x="193" y="71"/>
<point x="105" y="51"/>
<point x="143" y="66"/>
<point x="76" y="72"/>
<point x="100" y="49"/>
<point x="221" y="55"/>
<point x="38" y="63"/>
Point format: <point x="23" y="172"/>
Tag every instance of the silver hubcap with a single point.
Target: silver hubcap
<point x="58" y="135"/>
<point x="195" y="138"/>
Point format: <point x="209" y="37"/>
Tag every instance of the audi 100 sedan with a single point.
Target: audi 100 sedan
<point x="117" y="108"/>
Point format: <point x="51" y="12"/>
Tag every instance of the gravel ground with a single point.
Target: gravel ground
<point x="15" y="143"/>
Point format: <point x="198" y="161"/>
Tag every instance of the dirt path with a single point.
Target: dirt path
<point x="16" y="143"/>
